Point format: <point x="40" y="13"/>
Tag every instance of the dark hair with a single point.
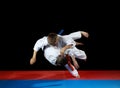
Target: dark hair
<point x="61" y="61"/>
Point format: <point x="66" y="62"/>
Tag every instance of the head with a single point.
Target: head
<point x="61" y="61"/>
<point x="53" y="39"/>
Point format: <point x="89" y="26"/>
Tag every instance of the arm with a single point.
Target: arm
<point x="38" y="45"/>
<point x="75" y="62"/>
<point x="79" y="43"/>
<point x="62" y="51"/>
<point x="78" y="35"/>
<point x="33" y="59"/>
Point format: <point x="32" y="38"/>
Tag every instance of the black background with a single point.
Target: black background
<point x="22" y="27"/>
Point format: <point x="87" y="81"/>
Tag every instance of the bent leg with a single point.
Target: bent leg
<point x="80" y="54"/>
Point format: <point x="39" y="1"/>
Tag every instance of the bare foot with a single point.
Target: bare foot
<point x="78" y="76"/>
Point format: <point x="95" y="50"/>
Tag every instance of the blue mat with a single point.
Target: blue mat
<point x="59" y="83"/>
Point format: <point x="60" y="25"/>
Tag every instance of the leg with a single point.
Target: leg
<point x="69" y="62"/>
<point x="80" y="54"/>
<point x="74" y="72"/>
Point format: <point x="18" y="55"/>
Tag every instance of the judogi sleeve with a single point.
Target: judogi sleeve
<point x="75" y="35"/>
<point x="69" y="40"/>
<point x="40" y="44"/>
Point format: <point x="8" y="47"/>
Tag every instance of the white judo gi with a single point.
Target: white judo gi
<point x="51" y="52"/>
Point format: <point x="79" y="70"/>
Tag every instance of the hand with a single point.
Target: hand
<point x="32" y="61"/>
<point x="85" y="34"/>
<point x="79" y="43"/>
